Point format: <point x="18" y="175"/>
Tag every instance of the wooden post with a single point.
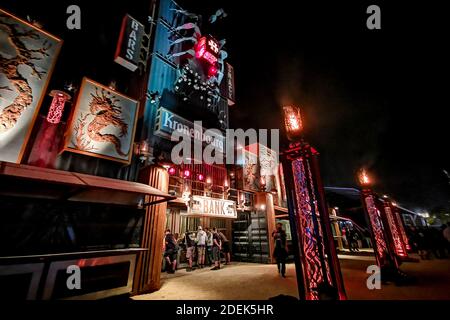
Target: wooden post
<point x="148" y="266"/>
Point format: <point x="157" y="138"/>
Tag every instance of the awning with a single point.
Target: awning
<point x="35" y="182"/>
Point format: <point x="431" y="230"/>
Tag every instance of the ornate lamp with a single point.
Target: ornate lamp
<point x="378" y="220"/>
<point x="318" y="270"/>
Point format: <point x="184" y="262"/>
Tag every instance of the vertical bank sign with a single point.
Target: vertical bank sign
<point x="168" y="122"/>
<point x="130" y="43"/>
<point x="227" y="87"/>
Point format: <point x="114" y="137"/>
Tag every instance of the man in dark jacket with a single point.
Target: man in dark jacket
<point x="280" y="252"/>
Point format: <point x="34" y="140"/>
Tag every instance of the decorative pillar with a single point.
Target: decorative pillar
<point x="396" y="240"/>
<point x="148" y="265"/>
<point x="380" y="245"/>
<point x="379" y="223"/>
<point x="400" y="226"/>
<point x="318" y="270"/>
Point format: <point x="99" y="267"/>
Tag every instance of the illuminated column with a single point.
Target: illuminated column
<point x="383" y="253"/>
<point x="397" y="242"/>
<point x="46" y="144"/>
<point x="318" y="270"/>
<point x="400" y="225"/>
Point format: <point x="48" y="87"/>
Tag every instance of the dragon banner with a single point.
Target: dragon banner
<point x="27" y="57"/>
<point x="103" y="123"/>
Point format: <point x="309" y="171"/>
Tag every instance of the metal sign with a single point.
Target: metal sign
<point x="227" y="86"/>
<point x="218" y="208"/>
<point x="130" y="43"/>
<point x="168" y="122"/>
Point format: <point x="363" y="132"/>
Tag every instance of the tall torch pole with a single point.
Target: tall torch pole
<point x="318" y="270"/>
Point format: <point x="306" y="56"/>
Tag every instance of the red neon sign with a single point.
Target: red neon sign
<point x="208" y="49"/>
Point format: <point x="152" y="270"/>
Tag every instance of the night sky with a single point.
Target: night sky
<point x="371" y="98"/>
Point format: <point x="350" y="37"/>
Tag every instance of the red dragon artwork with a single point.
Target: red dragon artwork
<point x="106" y="113"/>
<point x="10" y="68"/>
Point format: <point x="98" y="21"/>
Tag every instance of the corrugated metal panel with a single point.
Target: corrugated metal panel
<point x="162" y="77"/>
<point x="168" y="16"/>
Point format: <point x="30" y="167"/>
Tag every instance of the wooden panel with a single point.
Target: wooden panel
<point x="148" y="267"/>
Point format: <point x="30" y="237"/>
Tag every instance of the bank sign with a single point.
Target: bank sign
<point x="167" y="122"/>
<point x="212" y="207"/>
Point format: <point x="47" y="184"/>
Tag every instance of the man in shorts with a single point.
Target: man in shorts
<point x="201" y="247"/>
<point x="190" y="246"/>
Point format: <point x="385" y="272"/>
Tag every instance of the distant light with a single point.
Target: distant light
<point x="171" y="171"/>
<point x="208" y="180"/>
<point x="186" y="173"/>
<point x="200" y="177"/>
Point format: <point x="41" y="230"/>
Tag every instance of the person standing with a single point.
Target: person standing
<point x="201" y="247"/>
<point x="209" y="246"/>
<point x="170" y="252"/>
<point x="217" y="246"/>
<point x="280" y="252"/>
<point x="225" y="247"/>
<point x="190" y="246"/>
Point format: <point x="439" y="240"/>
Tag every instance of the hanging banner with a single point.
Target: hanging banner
<point x="27" y="57"/>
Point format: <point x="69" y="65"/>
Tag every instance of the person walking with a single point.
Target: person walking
<point x="201" y="247"/>
<point x="217" y="246"/>
<point x="225" y="247"/>
<point x="280" y="251"/>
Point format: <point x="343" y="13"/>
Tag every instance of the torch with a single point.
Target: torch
<point x="317" y="266"/>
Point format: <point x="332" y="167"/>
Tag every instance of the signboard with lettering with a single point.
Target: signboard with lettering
<point x="167" y="122"/>
<point x="212" y="207"/>
<point x="129" y="46"/>
<point x="227" y="87"/>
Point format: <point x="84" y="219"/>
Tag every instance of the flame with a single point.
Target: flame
<point x="293" y="120"/>
<point x="364" y="178"/>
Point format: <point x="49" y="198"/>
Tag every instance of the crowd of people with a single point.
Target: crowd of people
<point x="205" y="247"/>
<point x="428" y="241"/>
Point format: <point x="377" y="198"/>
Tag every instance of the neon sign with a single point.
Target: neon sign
<point x="208" y="49"/>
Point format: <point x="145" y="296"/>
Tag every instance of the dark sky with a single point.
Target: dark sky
<point x="373" y="98"/>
